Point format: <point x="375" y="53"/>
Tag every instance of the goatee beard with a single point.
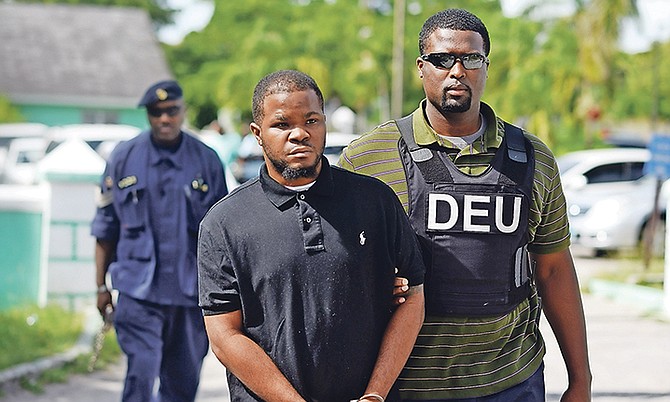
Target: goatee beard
<point x="454" y="106"/>
<point x="290" y="174"/>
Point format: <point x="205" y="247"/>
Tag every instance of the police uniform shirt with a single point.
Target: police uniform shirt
<point x="151" y="202"/>
<point x="312" y="272"/>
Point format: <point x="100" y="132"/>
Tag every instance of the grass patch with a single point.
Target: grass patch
<point x="630" y="268"/>
<point x="109" y="354"/>
<point x="29" y="333"/>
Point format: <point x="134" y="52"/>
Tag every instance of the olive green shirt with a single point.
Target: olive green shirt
<point x="456" y="357"/>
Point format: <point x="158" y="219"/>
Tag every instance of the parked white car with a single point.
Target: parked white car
<point x="102" y="138"/>
<point x="28" y="143"/>
<point x="610" y="199"/>
<point x="23" y="155"/>
<point x="9" y="132"/>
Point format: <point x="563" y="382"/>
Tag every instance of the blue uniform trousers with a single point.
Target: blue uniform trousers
<point x="160" y="341"/>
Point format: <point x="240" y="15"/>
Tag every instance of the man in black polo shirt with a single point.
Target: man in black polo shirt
<point x="296" y="267"/>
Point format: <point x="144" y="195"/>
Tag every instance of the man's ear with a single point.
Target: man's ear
<point x="256" y="131"/>
<point x="419" y="66"/>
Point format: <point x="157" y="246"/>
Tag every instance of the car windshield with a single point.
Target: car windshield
<point x="567" y="162"/>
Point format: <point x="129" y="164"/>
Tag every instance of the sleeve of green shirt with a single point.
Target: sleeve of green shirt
<point x="549" y="228"/>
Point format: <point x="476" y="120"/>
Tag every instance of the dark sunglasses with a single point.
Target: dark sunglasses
<point x="158" y="112"/>
<point x="472" y="61"/>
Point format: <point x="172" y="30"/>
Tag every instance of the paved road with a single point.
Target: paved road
<point x="630" y="354"/>
<point x="630" y="357"/>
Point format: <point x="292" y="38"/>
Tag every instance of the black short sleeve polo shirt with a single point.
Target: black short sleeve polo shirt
<point x="312" y="273"/>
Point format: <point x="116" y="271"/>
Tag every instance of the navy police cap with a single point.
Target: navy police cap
<point x="161" y="91"/>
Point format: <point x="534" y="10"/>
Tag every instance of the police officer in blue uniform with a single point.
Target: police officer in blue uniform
<point x="155" y="190"/>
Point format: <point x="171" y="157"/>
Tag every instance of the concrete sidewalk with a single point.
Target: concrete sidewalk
<point x="106" y="386"/>
<point x="629" y="349"/>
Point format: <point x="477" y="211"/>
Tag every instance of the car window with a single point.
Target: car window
<point x="91" y="143"/>
<point x="333" y="150"/>
<point x="615" y="172"/>
<point x="29" y="156"/>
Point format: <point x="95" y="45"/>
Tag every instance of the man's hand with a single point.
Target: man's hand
<point x="400" y="288"/>
<point x="246" y="360"/>
<point x="104" y="303"/>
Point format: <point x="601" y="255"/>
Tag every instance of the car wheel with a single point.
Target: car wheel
<point x="658" y="245"/>
<point x="601" y="253"/>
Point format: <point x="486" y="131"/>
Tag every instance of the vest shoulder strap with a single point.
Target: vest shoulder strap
<point x="406" y="131"/>
<point x="427" y="160"/>
<point x="516" y="147"/>
<point x="432" y="167"/>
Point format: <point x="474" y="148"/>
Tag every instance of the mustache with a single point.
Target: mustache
<point x="303" y="143"/>
<point x="458" y="86"/>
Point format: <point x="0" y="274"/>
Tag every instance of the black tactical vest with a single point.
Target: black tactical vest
<point x="473" y="230"/>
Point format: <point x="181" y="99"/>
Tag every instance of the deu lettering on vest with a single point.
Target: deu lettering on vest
<point x="474" y="213"/>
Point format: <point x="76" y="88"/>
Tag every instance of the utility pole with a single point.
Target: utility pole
<point x="397" y="65"/>
<point x="650" y="235"/>
<point x="656" y="61"/>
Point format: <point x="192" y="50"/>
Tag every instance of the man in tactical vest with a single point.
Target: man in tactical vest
<point x="485" y="200"/>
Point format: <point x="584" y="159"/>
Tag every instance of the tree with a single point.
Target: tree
<point x="332" y="41"/>
<point x="541" y="75"/>
<point x="598" y="24"/>
<point x="345" y="45"/>
<point x="8" y="112"/>
<point x="645" y="80"/>
<point x="571" y="72"/>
